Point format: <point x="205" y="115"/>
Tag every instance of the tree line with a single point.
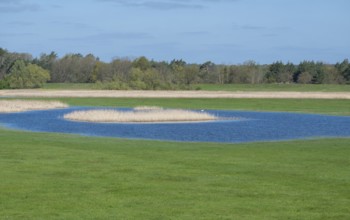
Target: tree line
<point x="21" y="70"/>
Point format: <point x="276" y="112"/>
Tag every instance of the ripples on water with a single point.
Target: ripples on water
<point x="251" y="126"/>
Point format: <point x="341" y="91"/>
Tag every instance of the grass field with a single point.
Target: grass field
<point x="228" y="87"/>
<point x="56" y="176"/>
<point x="70" y="86"/>
<point x="276" y="87"/>
<point x="334" y="107"/>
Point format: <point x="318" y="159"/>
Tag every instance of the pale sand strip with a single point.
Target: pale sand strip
<point x="172" y="94"/>
<point x="165" y="115"/>
<point x="8" y="106"/>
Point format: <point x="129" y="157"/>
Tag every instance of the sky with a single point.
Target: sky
<point x="221" y="31"/>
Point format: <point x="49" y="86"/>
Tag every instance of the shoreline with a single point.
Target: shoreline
<point x="40" y="93"/>
<point x="15" y="106"/>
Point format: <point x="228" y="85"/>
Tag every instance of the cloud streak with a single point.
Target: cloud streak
<point x="16" y="6"/>
<point x="111" y="36"/>
<point x="250" y="27"/>
<point x="159" y="5"/>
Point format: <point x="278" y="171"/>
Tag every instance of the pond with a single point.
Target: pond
<point x="246" y="127"/>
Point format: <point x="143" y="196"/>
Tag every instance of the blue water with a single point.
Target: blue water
<point x="250" y="127"/>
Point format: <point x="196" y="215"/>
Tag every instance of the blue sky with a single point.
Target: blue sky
<point x="222" y="31"/>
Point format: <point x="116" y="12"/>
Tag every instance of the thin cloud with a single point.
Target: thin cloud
<point x="11" y="35"/>
<point x="16" y="6"/>
<point x="303" y="49"/>
<point x="248" y="27"/>
<point x="252" y="27"/>
<point x="110" y="36"/>
<point x="258" y="27"/>
<point x="72" y="24"/>
<point x="20" y="23"/>
<point x="160" y="5"/>
<point x="3" y="2"/>
<point x="195" y="33"/>
<point x="121" y="35"/>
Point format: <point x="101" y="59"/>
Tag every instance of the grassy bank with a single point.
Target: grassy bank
<point x="70" y="86"/>
<point x="226" y="87"/>
<point x="275" y="87"/>
<point x="334" y="107"/>
<point x="54" y="176"/>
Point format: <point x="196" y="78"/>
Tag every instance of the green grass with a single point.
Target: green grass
<point x="334" y="107"/>
<point x="55" y="176"/>
<point x="226" y="87"/>
<point x="70" y="86"/>
<point x="275" y="87"/>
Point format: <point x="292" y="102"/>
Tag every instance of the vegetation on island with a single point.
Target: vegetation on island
<point x="21" y="70"/>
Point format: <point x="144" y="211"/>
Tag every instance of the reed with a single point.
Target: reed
<point x="9" y="106"/>
<point x="147" y="108"/>
<point x="159" y="115"/>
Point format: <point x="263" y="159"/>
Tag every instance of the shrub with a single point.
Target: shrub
<point x="25" y="76"/>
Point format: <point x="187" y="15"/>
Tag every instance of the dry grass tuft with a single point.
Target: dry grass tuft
<point x="8" y="106"/>
<point x="147" y="108"/>
<point x="159" y="115"/>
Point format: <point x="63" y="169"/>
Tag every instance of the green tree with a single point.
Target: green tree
<point x="8" y="59"/>
<point x="190" y="74"/>
<point x="208" y="72"/>
<point x="253" y="72"/>
<point x="26" y="76"/>
<point x="274" y="69"/>
<point x="177" y="68"/>
<point x="136" y="79"/>
<point x="344" y="69"/>
<point x="17" y="76"/>
<point x="152" y="79"/>
<point x="304" y="78"/>
<point x="142" y="63"/>
<point x="120" y="69"/>
<point x="315" y="70"/>
<point x="331" y="75"/>
<point x="46" y="61"/>
<point x="37" y="76"/>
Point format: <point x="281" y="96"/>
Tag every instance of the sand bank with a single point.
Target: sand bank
<point x="139" y="116"/>
<point x="8" y="106"/>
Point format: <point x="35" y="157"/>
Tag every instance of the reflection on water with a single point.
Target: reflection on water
<point x="252" y="126"/>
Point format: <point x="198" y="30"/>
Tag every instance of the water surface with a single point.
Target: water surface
<point x="250" y="127"/>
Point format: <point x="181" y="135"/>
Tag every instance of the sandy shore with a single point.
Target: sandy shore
<point x="172" y="94"/>
<point x="9" y="106"/>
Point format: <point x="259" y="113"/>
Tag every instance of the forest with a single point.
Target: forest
<point x="22" y="70"/>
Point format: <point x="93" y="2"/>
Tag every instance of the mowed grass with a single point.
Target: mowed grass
<point x="333" y="107"/>
<point x="275" y="87"/>
<point x="70" y="86"/>
<point x="226" y="87"/>
<point x="55" y="176"/>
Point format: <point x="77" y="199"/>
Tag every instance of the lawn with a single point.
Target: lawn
<point x="333" y="107"/>
<point x="70" y="86"/>
<point x="275" y="87"/>
<point x="57" y="176"/>
<point x="226" y="87"/>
